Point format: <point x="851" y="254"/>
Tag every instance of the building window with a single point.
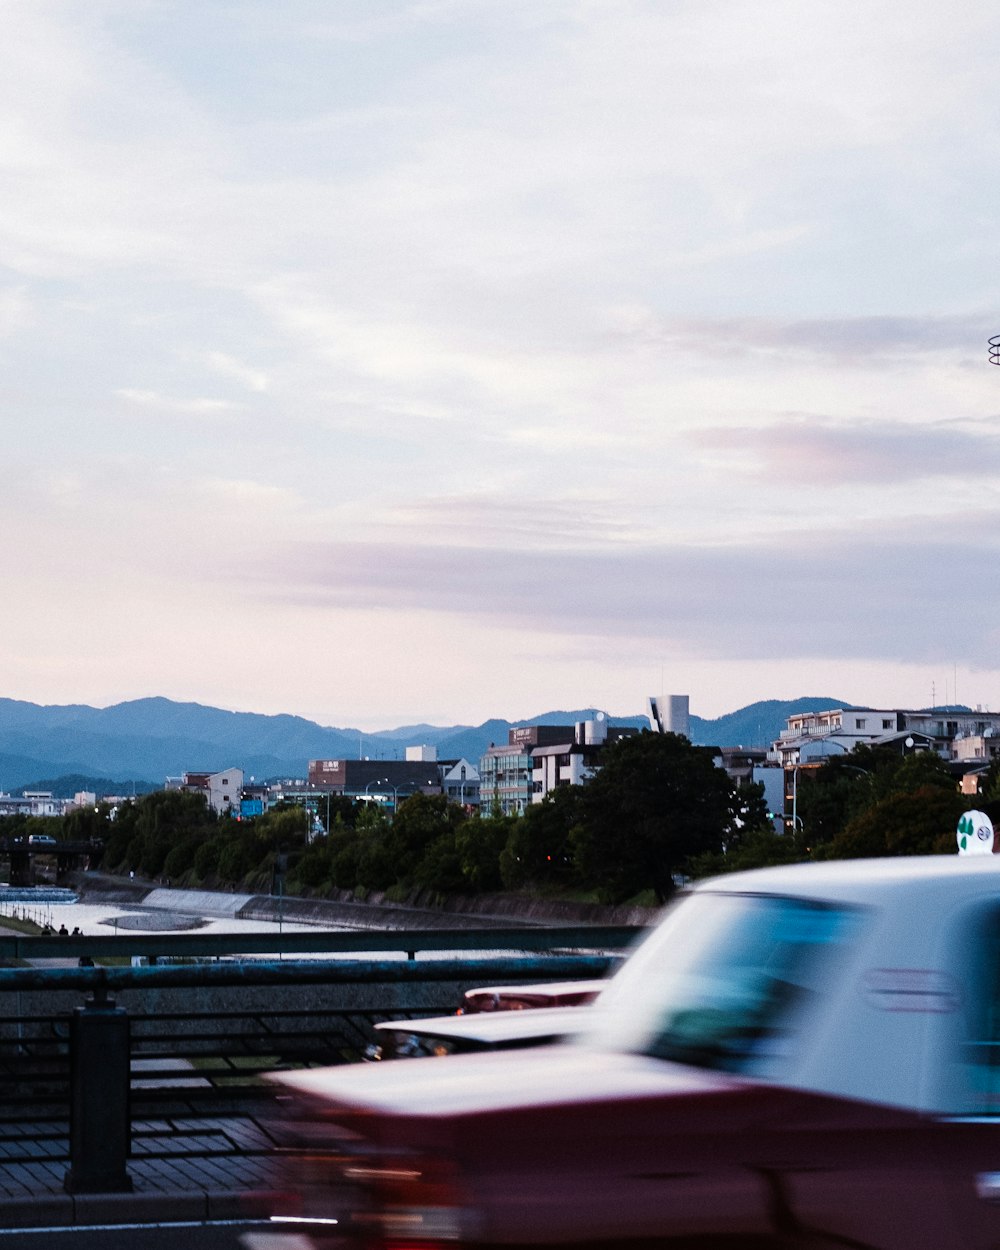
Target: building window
<point x="860" y="723"/>
<point x="887" y="724"/>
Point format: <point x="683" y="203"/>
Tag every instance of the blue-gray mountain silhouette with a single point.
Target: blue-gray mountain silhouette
<point x="151" y="739"/>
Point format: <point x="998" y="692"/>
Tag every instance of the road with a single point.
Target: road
<point x="219" y="1236"/>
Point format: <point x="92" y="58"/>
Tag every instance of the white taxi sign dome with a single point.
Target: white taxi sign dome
<point x="975" y="834"/>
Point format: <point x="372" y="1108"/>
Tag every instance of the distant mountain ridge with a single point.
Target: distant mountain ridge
<point x="154" y="738"/>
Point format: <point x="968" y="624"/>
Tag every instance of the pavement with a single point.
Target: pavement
<point x="180" y="1170"/>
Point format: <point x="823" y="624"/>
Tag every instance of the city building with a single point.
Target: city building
<point x="538" y="758"/>
<point x="574" y="759"/>
<point x="31" y="803"/>
<point x="384" y="781"/>
<point x="968" y="740"/>
<point x="954" y="733"/>
<point x="670" y="714"/>
<point x="460" y="781"/>
<point x="505" y="772"/>
<point x="222" y="790"/>
<point x="254" y="800"/>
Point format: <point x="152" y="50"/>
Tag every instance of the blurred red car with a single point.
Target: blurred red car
<point x="521" y="997"/>
<point x="462" y="1034"/>
<point x="805" y="1056"/>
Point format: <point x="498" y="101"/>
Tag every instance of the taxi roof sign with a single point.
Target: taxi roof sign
<point x="975" y="834"/>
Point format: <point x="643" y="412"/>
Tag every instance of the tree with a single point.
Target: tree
<point x="917" y="822"/>
<point x="87" y="824"/>
<point x="480" y="843"/>
<point x="835" y="796"/>
<point x="336" y="811"/>
<point x="419" y="821"/>
<point x="656" y="802"/>
<point x="539" y="850"/>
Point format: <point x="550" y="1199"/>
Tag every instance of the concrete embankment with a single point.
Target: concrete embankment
<point x="475" y="912"/>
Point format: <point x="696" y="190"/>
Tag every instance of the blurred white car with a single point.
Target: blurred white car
<point x="462" y="1034"/>
<point x="803" y="1056"/>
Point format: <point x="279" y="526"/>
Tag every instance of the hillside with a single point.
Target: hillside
<point x="146" y="740"/>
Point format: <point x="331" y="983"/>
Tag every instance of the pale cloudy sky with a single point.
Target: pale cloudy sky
<point x="449" y="358"/>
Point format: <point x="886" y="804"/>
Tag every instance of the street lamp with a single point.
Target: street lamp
<point x="376" y="781"/>
<point x="854" y="768"/>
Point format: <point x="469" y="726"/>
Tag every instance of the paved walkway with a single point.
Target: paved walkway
<point x="181" y="1169"/>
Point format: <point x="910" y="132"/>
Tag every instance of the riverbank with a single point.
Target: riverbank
<point x="347" y="912"/>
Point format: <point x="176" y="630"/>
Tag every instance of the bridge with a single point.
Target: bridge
<point x="131" y="1057"/>
<point x="21" y="853"/>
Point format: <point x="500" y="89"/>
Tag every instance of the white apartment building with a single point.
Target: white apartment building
<point x="222" y="789"/>
<point x="573" y="760"/>
<point x="811" y="736"/>
<point x="31" y="803"/>
<point x="955" y="734"/>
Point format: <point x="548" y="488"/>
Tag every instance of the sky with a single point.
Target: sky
<point x="435" y="360"/>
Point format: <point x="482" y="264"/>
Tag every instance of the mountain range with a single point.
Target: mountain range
<point x="143" y="741"/>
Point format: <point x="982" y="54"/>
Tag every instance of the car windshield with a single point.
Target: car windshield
<point x="723" y="982"/>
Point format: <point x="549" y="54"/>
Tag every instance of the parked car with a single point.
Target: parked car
<point x="460" y="1034"/>
<point x="42" y="840"/>
<point x="798" y="1056"/>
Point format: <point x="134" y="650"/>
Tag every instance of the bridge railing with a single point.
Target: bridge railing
<point x="321" y="941"/>
<point x="108" y="1047"/>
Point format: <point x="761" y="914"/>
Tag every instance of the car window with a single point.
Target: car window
<point x="724" y="982"/>
<point x="981" y="1047"/>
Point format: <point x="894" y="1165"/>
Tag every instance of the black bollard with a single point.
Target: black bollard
<point x="99" y="1125"/>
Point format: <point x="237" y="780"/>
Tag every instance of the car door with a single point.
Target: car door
<point x="967" y="1141"/>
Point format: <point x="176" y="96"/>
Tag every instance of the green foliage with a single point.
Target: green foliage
<point x="990" y="792"/>
<point x="919" y="822"/>
<point x="314" y="868"/>
<point x="540" y="851"/>
<point x="206" y="859"/>
<point x="237" y="860"/>
<point x="283" y="827"/>
<point x="845" y="787"/>
<point x="480" y="843"/>
<point x="657" y="809"/>
<point x="758" y="848"/>
<point x="44" y="826"/>
<point x="87" y="824"/>
<point x="421" y="821"/>
<point x="337" y="811"/>
<point x="180" y="859"/>
<point x="144" y="833"/>
<point x="656" y="803"/>
<point x="440" y="866"/>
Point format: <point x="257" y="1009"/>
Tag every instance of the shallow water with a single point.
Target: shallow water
<point x="93" y="918"/>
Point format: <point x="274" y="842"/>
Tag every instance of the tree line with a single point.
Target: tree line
<point x="658" y="811"/>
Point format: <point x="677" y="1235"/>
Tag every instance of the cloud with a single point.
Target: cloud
<point x="858" y="340"/>
<point x="16" y="311"/>
<point x="636" y="328"/>
<point x="489" y="521"/>
<point x="229" y="367"/>
<point x="821" y="451"/>
<point x="196" y="407"/>
<point x="896" y="593"/>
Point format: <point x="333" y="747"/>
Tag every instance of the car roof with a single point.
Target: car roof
<point x="862" y="881"/>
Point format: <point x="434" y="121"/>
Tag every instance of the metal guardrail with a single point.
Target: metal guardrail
<point x="102" y="980"/>
<point x="108" y="1072"/>
<point x="410" y="941"/>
